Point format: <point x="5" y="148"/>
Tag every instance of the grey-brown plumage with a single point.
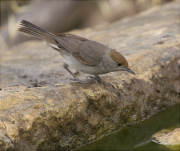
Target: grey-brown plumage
<point x="82" y="49"/>
<point x="79" y="53"/>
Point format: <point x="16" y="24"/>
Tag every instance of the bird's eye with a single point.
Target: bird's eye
<point x="119" y="64"/>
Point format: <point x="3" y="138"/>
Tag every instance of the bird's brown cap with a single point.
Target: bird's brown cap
<point x="119" y="58"/>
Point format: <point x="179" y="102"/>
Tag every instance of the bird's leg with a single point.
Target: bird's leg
<point x="66" y="67"/>
<point x="76" y="78"/>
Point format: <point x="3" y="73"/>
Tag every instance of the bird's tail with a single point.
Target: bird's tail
<point x="29" y="28"/>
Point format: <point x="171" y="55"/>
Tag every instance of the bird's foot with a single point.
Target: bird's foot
<point x="96" y="77"/>
<point x="82" y="81"/>
<point x="88" y="79"/>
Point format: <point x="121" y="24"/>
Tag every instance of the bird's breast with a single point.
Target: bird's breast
<point x="81" y="67"/>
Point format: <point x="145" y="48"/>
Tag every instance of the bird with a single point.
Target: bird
<point x="81" y="54"/>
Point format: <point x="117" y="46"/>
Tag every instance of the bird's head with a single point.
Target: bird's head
<point x="121" y="63"/>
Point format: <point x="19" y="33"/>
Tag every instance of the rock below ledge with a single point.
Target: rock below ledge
<point x="40" y="109"/>
<point x="168" y="138"/>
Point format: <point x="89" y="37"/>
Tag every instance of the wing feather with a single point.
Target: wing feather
<point x="87" y="51"/>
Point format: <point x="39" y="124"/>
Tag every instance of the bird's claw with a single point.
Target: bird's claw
<point x="82" y="81"/>
<point x="89" y="79"/>
<point x="94" y="77"/>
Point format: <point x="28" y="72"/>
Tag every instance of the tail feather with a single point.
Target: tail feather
<point x="30" y="25"/>
<point x="31" y="32"/>
<point x="29" y="28"/>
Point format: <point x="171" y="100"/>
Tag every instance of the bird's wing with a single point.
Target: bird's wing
<point x="87" y="51"/>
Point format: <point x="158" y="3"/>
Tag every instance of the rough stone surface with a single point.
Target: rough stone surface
<point x="41" y="109"/>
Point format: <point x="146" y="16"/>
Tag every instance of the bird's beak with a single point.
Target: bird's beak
<point x="129" y="70"/>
